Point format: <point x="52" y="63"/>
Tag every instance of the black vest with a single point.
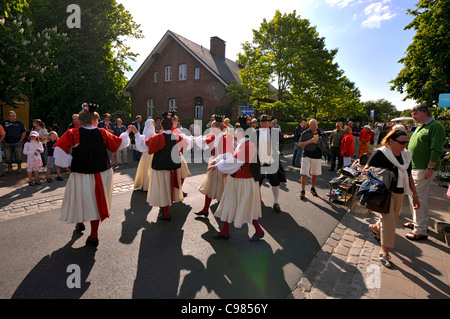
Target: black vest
<point x="167" y="158"/>
<point x="90" y="156"/>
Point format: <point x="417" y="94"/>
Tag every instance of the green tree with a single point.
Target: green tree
<point x="92" y="63"/>
<point x="426" y="71"/>
<point x="288" y="51"/>
<point x="25" y="54"/>
<point x="383" y="110"/>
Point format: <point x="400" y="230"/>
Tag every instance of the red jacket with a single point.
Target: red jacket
<point x="346" y="148"/>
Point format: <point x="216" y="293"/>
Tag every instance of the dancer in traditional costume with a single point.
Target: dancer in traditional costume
<point x="142" y="178"/>
<point x="241" y="199"/>
<point x="219" y="143"/>
<point x="165" y="180"/>
<point x="184" y="166"/>
<point x="88" y="192"/>
<point x="268" y="144"/>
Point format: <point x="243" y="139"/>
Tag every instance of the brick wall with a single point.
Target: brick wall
<point x="185" y="91"/>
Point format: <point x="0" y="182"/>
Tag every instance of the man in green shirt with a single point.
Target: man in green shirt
<point x="426" y="145"/>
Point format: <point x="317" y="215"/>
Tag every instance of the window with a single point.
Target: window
<point x="155" y="77"/>
<point x="197" y="73"/>
<point x="198" y="111"/>
<point x="182" y="72"/>
<point x="172" y="105"/>
<point x="150" y="108"/>
<point x="168" y="73"/>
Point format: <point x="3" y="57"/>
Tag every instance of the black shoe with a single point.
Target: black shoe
<point x="331" y="169"/>
<point x="302" y="195"/>
<point x="276" y="208"/>
<point x="92" y="242"/>
<point x="204" y="214"/>
<point x="80" y="228"/>
<point x="185" y="194"/>
<point x="219" y="236"/>
<point x="166" y="218"/>
<point x="313" y="191"/>
<point x="161" y="212"/>
<point x="257" y="237"/>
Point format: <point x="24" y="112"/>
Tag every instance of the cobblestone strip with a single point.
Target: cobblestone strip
<point x="347" y="266"/>
<point x="18" y="209"/>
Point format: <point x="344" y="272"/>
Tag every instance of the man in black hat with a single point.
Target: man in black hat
<point x="268" y="142"/>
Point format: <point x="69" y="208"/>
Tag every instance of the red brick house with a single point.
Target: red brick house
<point x="183" y="76"/>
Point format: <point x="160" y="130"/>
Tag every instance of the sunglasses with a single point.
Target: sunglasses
<point x="402" y="142"/>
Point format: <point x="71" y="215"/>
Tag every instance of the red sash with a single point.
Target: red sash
<point x="100" y="197"/>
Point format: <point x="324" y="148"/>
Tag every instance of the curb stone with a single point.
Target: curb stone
<point x="345" y="266"/>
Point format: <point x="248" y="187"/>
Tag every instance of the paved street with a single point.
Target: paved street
<point x="312" y="249"/>
<point x="142" y="257"/>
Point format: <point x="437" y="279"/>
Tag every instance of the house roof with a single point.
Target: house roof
<point x="224" y="70"/>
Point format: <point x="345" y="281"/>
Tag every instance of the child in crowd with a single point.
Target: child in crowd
<point x="33" y="149"/>
<point x="52" y="138"/>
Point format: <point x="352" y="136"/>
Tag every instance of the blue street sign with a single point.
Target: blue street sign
<point x="444" y="100"/>
<point x="241" y="106"/>
<point x="247" y="111"/>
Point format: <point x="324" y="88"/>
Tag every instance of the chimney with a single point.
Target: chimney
<point x="217" y="47"/>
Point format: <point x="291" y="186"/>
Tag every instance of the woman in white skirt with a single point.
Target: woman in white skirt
<point x="184" y="169"/>
<point x="142" y="178"/>
<point x="219" y="143"/>
<point x="241" y="199"/>
<point x="88" y="192"/>
<point x="165" y="180"/>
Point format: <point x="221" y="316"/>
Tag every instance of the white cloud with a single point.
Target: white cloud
<point x="340" y="3"/>
<point x="376" y="13"/>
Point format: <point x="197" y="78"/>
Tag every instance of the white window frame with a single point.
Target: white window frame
<point x="198" y="112"/>
<point x="172" y="105"/>
<point x="150" y="108"/>
<point x="155" y="77"/>
<point x="197" y="73"/>
<point x="168" y="73"/>
<point x="182" y="72"/>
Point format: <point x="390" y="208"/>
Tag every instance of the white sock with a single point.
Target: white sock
<point x="276" y="192"/>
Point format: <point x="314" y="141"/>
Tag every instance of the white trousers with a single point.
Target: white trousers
<point x="420" y="216"/>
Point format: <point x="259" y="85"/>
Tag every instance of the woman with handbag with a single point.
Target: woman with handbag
<point x="393" y="156"/>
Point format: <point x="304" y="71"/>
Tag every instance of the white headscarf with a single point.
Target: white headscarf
<point x="149" y="128"/>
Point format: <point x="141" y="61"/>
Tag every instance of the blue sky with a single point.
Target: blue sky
<point x="368" y="33"/>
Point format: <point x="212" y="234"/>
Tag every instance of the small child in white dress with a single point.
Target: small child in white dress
<point x="33" y="149"/>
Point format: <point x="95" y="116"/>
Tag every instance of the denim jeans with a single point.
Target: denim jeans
<point x="296" y="155"/>
<point x="17" y="149"/>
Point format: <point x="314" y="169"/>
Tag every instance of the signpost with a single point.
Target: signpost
<point x="247" y="111"/>
<point x="444" y="100"/>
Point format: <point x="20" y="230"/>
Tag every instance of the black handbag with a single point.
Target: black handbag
<point x="379" y="202"/>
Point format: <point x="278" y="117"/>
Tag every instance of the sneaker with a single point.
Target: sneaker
<point x="302" y="195"/>
<point x="385" y="259"/>
<point x="313" y="191"/>
<point x="59" y="178"/>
